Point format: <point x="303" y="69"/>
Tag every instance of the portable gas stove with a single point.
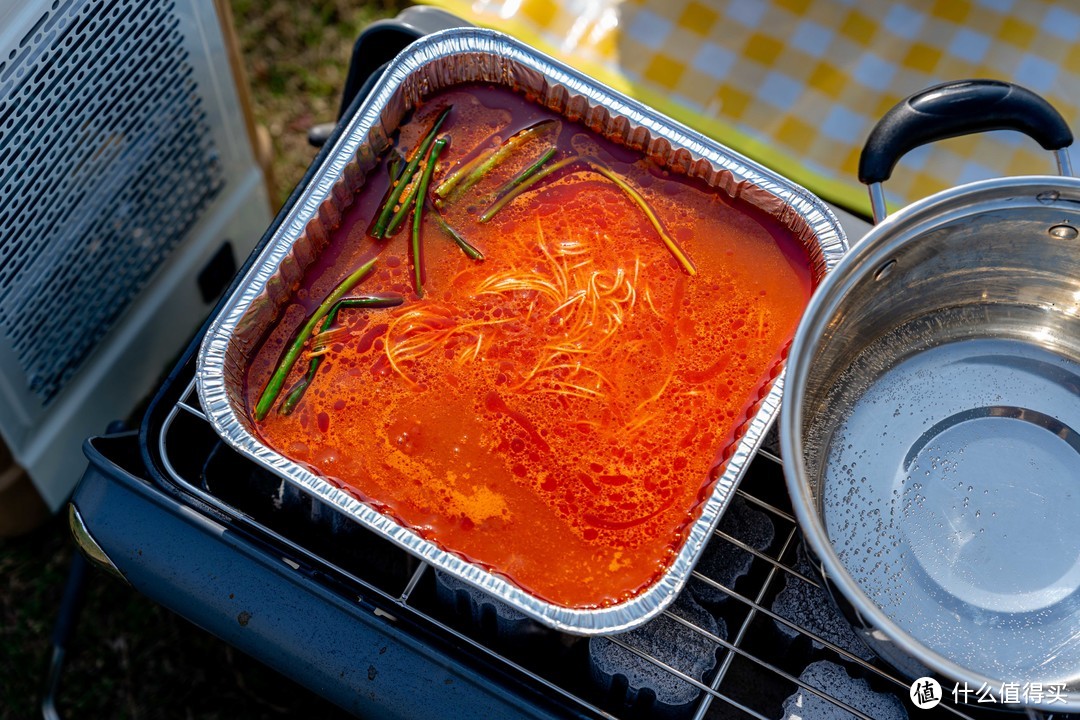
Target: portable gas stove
<point x="185" y="520"/>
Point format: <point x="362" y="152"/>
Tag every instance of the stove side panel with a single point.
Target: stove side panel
<point x="225" y="584"/>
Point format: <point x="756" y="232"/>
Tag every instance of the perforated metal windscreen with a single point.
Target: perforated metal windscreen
<point x="106" y="162"/>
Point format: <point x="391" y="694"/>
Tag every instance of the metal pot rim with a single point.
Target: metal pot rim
<point x="865" y="257"/>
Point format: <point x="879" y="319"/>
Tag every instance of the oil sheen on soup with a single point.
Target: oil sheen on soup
<point x="556" y="410"/>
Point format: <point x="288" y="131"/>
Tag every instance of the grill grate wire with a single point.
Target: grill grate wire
<point x="751" y="680"/>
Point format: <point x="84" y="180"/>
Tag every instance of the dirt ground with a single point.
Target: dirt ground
<point x="130" y="658"/>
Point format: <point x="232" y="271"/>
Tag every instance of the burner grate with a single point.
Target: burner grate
<point x="786" y="652"/>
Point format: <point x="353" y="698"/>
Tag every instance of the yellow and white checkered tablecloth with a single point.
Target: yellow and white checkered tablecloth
<point x="797" y="84"/>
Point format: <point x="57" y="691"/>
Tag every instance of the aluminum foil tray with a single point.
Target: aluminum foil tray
<point x="435" y="62"/>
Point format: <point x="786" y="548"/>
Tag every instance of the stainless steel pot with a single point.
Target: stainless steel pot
<point x="932" y="409"/>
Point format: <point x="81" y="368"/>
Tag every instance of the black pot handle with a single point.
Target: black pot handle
<point x="962" y="107"/>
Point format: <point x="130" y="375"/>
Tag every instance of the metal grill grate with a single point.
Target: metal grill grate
<point x="776" y="659"/>
<point x="105" y="164"/>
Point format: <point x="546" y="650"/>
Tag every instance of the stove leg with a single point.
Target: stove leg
<point x="70" y="609"/>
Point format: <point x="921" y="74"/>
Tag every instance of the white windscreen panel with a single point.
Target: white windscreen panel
<point x="105" y="164"/>
<point x="124" y="166"/>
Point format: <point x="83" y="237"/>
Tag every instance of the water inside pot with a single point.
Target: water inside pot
<point x="950" y="488"/>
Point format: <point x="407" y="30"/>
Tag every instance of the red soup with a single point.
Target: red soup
<point x="544" y="372"/>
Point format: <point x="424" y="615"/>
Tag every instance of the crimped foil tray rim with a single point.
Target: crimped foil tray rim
<point x="211" y="360"/>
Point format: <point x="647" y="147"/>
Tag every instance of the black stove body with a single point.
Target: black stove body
<point x="186" y="521"/>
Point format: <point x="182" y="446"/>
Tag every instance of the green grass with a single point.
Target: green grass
<point x="297" y="55"/>
<point x="131" y="658"/>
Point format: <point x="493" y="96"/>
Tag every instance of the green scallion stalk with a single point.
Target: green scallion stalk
<point x="672" y="245"/>
<point x="294" y="397"/>
<point x="450" y="181"/>
<point x="395" y="165"/>
<point x="289" y="404"/>
<point x="277" y="380"/>
<point x="515" y="141"/>
<point x="387" y="211"/>
<point x="371" y="302"/>
<point x="409" y="203"/>
<point x="364" y="301"/>
<point x="525" y="185"/>
<point x="472" y="172"/>
<point x="418" y="213"/>
<point x="470" y="251"/>
<point x="670" y="242"/>
<point x="526" y="173"/>
<point x="406" y="207"/>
